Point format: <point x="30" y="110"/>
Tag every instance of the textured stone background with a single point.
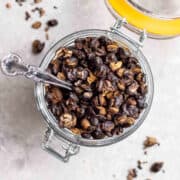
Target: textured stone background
<point x="22" y="126"/>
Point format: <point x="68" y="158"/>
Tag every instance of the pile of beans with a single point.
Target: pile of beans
<point x="109" y="88"/>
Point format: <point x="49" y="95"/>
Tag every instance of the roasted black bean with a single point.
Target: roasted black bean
<point x="108" y="126"/>
<point x="82" y="74"/>
<point x="141" y="102"/>
<point x="80" y="112"/>
<point x="95" y="43"/>
<point x="133" y="111"/>
<point x="71" y="62"/>
<point x="111" y="57"/>
<point x="121" y="53"/>
<point x="87" y="95"/>
<point x="94" y="121"/>
<point x="103" y="40"/>
<point x="101" y="71"/>
<point x="37" y="46"/>
<point x="52" y="23"/>
<point x="86" y="135"/>
<point x="79" y="43"/>
<point x="132" y="88"/>
<point x="118" y="100"/>
<point x="68" y="120"/>
<point x="98" y="134"/>
<point x="109" y="88"/>
<point x="117" y="130"/>
<point x="101" y="52"/>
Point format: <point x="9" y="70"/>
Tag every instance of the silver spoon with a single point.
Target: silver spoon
<point x="12" y="65"/>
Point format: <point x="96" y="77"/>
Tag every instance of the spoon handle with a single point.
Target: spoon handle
<point x="12" y="65"/>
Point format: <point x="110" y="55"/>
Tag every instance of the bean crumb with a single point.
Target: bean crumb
<point x="145" y="153"/>
<point x="27" y="16"/>
<point x="140" y="163"/>
<point x="47" y="36"/>
<point x="132" y="173"/>
<point x="8" y="5"/>
<point x="150" y="141"/>
<point x="156" y="167"/>
<point x="41" y="11"/>
<point x="55" y="7"/>
<point x="36" y="25"/>
<point x="37" y="46"/>
<point x="52" y="23"/>
<point x="20" y="2"/>
<point x="37" y="1"/>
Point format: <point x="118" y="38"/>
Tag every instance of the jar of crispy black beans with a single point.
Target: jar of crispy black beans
<point x="111" y="95"/>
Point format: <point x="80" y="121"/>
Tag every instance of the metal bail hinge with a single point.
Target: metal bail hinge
<point x="122" y="22"/>
<point x="59" y="147"/>
<point x="143" y="36"/>
<point x="119" y="23"/>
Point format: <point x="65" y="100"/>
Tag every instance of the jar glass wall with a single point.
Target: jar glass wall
<point x="40" y="90"/>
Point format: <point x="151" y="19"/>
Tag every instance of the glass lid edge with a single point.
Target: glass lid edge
<point x="115" y="11"/>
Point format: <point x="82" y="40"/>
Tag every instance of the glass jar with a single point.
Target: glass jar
<point x="61" y="142"/>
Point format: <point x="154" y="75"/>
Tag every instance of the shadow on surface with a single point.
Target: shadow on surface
<point x="21" y="123"/>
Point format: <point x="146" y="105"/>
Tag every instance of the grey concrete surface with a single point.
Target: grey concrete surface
<point x="22" y="126"/>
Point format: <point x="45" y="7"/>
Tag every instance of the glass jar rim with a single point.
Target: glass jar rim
<point x="39" y="90"/>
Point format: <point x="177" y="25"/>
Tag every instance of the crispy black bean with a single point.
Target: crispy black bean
<point x="94" y="121"/>
<point x="86" y="135"/>
<point x="109" y="88"/>
<point x="98" y="134"/>
<point x="108" y="126"/>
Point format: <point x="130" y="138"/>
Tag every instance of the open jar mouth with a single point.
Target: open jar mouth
<point x="50" y="118"/>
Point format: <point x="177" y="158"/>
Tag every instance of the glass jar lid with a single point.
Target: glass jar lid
<point x="159" y="19"/>
<point x="161" y="9"/>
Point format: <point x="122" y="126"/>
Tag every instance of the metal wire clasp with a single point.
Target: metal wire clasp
<point x="122" y="22"/>
<point x="59" y="147"/>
